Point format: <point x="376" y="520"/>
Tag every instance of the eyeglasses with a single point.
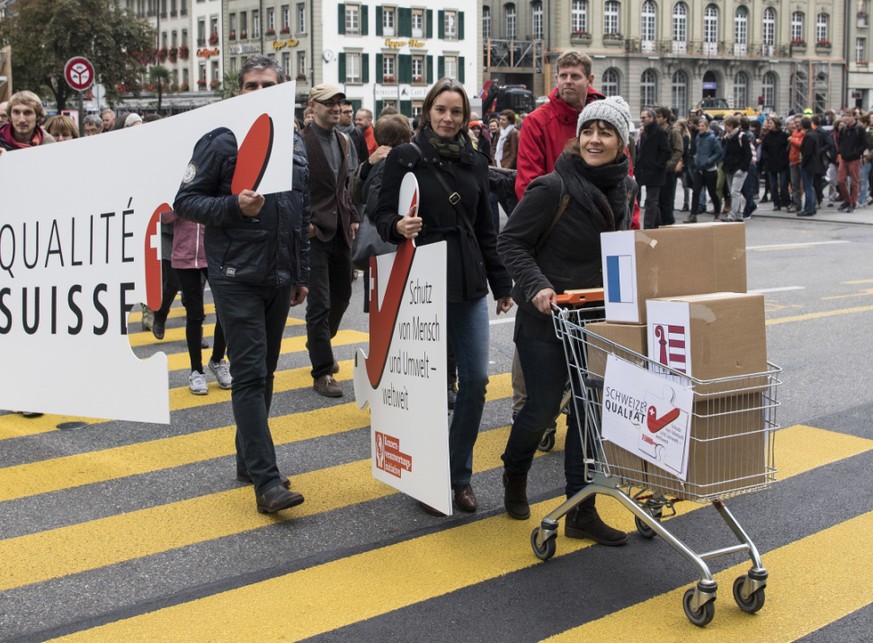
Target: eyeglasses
<point x="330" y="104"/>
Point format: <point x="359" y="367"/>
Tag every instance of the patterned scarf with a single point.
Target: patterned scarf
<point x="8" y="142"/>
<point x="448" y="148"/>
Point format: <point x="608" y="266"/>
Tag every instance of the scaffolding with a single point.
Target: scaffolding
<point x="810" y="86"/>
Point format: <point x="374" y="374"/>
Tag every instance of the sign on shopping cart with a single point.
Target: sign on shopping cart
<point x="647" y="415"/>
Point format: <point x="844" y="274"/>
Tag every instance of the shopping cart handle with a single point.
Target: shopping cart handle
<point x="579" y="297"/>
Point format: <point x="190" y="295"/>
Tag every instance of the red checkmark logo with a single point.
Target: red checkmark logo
<point x="655" y="423"/>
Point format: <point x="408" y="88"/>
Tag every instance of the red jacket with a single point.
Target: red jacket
<point x="544" y="134"/>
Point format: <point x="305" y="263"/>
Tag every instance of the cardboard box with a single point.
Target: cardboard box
<point x="710" y="337"/>
<point x="676" y="260"/>
<point x="728" y="449"/>
<point x="632" y="336"/>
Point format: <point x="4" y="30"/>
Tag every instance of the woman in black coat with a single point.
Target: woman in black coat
<point x="650" y="165"/>
<point x="442" y="148"/>
<point x="546" y="255"/>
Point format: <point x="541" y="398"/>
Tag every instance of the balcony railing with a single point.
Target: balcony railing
<point x="706" y="49"/>
<point x="513" y="53"/>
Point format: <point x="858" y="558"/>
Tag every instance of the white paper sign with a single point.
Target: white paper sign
<point x="403" y="378"/>
<point x="80" y="246"/>
<point x="647" y="415"/>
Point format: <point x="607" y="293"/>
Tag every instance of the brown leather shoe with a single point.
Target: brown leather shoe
<point x="335" y="368"/>
<point x="327" y="386"/>
<point x="276" y="499"/>
<point x="243" y="476"/>
<point x="465" y="498"/>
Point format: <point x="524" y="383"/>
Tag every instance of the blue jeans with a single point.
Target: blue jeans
<point x="254" y="319"/>
<point x="865" y="182"/>
<point x="545" y="376"/>
<point x="469" y="335"/>
<point x="808" y="191"/>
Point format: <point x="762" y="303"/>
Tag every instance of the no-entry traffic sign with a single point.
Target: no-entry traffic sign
<point x="79" y="73"/>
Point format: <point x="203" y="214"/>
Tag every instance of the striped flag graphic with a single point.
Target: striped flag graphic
<point x="671" y="346"/>
<point x="619" y="279"/>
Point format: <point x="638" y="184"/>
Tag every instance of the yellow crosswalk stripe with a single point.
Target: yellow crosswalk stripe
<point x="175" y="312"/>
<point x="81" y="547"/>
<point x="178" y="334"/>
<point x="828" y="589"/>
<point x="818" y="315"/>
<point x="375" y="582"/>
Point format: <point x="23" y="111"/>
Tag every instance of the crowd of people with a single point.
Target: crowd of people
<point x="563" y="174"/>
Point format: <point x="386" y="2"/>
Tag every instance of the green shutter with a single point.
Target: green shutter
<point x="379" y="20"/>
<point x="441" y="24"/>
<point x="341" y="19"/>
<point x="404" y="23"/>
<point x="406" y="108"/>
<point x="342" y="68"/>
<point x="404" y="68"/>
<point x="441" y="67"/>
<point x="461" y="68"/>
<point x="365" y="68"/>
<point x="378" y="109"/>
<point x="430" y="23"/>
<point x="365" y="19"/>
<point x="429" y="72"/>
<point x="460" y="25"/>
<point x="378" y="68"/>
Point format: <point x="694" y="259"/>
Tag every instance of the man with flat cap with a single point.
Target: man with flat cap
<point x="332" y="229"/>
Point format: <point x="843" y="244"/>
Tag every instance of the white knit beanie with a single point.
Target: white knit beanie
<point x="613" y="110"/>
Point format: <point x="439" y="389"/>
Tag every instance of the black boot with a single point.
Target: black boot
<point x="515" y="496"/>
<point x="584" y="522"/>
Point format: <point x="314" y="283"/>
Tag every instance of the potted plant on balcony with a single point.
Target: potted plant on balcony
<point x="244" y="35"/>
<point x="270" y="32"/>
<point x="388" y="78"/>
<point x="285" y="29"/>
<point x="418" y="79"/>
<point x="215" y="84"/>
<point x="173" y="54"/>
<point x="231" y="36"/>
<point x="183" y="52"/>
<point x="798" y="42"/>
<point x="213" y="39"/>
<point x="201" y="83"/>
<point x="580" y="35"/>
<point x="824" y="43"/>
<point x="184" y="87"/>
<point x="162" y="54"/>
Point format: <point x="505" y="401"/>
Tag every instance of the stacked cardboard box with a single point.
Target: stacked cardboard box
<point x="677" y="295"/>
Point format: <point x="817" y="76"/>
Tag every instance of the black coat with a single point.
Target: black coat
<point x="737" y="153"/>
<point x="774" y="151"/>
<point x="653" y="153"/>
<point x="472" y="261"/>
<point x="273" y="248"/>
<point x="811" y="157"/>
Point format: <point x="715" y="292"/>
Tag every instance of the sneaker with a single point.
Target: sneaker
<point x="197" y="383"/>
<point x="844" y="207"/>
<point x="327" y="386"/>
<point x="830" y="204"/>
<point x="850" y="209"/>
<point x="221" y="370"/>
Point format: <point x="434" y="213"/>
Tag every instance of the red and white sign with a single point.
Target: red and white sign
<point x="403" y="379"/>
<point x="79" y="73"/>
<point x="647" y="414"/>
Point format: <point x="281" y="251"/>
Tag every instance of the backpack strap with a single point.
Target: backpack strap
<point x="562" y="206"/>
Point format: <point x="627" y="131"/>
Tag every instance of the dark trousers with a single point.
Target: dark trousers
<point x="750" y="190"/>
<point x="545" y="375"/>
<point x="191" y="280"/>
<point x="652" y="213"/>
<point x="330" y="289"/>
<point x="710" y="180"/>
<point x="170" y="286"/>
<point x="779" y="189"/>
<point x="667" y="199"/>
<point x="254" y="319"/>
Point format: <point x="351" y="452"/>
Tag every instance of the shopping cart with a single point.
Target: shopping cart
<point x="731" y="454"/>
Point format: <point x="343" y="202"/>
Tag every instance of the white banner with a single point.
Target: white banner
<point x="404" y="377"/>
<point x="647" y="415"/>
<point x="80" y="247"/>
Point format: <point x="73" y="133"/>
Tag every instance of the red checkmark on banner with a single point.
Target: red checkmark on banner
<point x="253" y="155"/>
<point x="655" y="423"/>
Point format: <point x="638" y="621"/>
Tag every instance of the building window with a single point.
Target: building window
<point x="450" y="24"/>
<point x="388" y="21"/>
<point x="417" y="108"/>
<point x="201" y="35"/>
<point x="768" y="91"/>
<point x="353" y="19"/>
<point x="256" y="23"/>
<point x="511" y="20"/>
<point x="741" y="26"/>
<point x="353" y="68"/>
<point x="418" y="75"/>
<point x="648" y="89"/>
<point x="243" y="25"/>
<point x="741" y="90"/>
<point x="286" y="63"/>
<point x="231" y="23"/>
<point x="609" y="84"/>
<point x="418" y="23"/>
<point x="486" y="23"/>
<point x="301" y="17"/>
<point x="680" y="22"/>
<point x="797" y="27"/>
<point x="710" y="24"/>
<point x="451" y="66"/>
<point x="579" y="16"/>
<point x="610" y="17"/>
<point x="286" y="18"/>
<point x="822" y="32"/>
<point x="647" y="23"/>
<point x="860" y="50"/>
<point x="679" y="92"/>
<point x="536" y="10"/>
<point x="301" y="65"/>
<point x="271" y="21"/>
<point x="389" y="68"/>
<point x="769" y="33"/>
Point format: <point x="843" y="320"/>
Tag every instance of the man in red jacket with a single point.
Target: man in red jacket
<point x="547" y="129"/>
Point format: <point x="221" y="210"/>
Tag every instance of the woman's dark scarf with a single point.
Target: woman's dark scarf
<point x="603" y="189"/>
<point x="448" y="148"/>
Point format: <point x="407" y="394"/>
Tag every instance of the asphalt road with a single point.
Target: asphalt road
<point x="120" y="531"/>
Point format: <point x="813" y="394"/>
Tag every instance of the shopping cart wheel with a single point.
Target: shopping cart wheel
<point x="548" y="441"/>
<point x="643" y="529"/>
<point x="703" y="615"/>
<point x="755" y="600"/>
<point x="548" y="548"/>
